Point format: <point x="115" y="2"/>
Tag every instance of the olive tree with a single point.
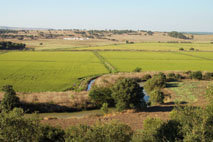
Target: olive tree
<point x="128" y="94"/>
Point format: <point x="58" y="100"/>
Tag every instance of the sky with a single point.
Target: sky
<point x="155" y="15"/>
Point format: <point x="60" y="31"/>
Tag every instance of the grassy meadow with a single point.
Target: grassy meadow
<point x="46" y="71"/>
<point x="55" y="70"/>
<point x="153" y="46"/>
<point x="159" y="61"/>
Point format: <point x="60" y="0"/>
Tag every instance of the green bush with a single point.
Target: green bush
<point x="156" y="97"/>
<point x="196" y="123"/>
<point x="110" y="132"/>
<point x="101" y="95"/>
<point x="196" y="75"/>
<point x="177" y="35"/>
<point x="179" y="77"/>
<point x="181" y="49"/>
<point x="105" y="108"/>
<point x="146" y="77"/>
<point x="208" y="76"/>
<point x="51" y="134"/>
<point x="209" y="94"/>
<point x="14" y="127"/>
<point x="171" y="77"/>
<point x="150" y="130"/>
<point x="137" y="69"/>
<point x="169" y="131"/>
<point x="128" y="94"/>
<point x="191" y="49"/>
<point x="10" y="100"/>
<point x="156" y="82"/>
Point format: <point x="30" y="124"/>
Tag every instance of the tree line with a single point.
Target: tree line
<point x="178" y="35"/>
<point x="7" y="45"/>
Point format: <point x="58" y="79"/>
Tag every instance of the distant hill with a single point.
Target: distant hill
<point x="21" y="28"/>
<point x="199" y="33"/>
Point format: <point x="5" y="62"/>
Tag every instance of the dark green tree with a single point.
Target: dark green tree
<point x="10" y="100"/>
<point x="14" y="127"/>
<point x="128" y="95"/>
<point x="101" y="95"/>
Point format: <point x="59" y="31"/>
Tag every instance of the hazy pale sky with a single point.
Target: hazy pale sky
<point x="157" y="15"/>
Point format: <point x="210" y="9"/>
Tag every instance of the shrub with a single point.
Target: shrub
<point x="7" y="45"/>
<point x="146" y="77"/>
<point x="150" y="129"/>
<point x="150" y="33"/>
<point x="162" y="75"/>
<point x="171" y="77"/>
<point x="179" y="77"/>
<point x="15" y="127"/>
<point x="181" y="49"/>
<point x="169" y="131"/>
<point x="157" y="82"/>
<point x="177" y="35"/>
<point x="109" y="132"/>
<point x="104" y="108"/>
<point x="51" y="134"/>
<point x="209" y="93"/>
<point x="156" y="97"/>
<point x="197" y="75"/>
<point x="10" y="99"/>
<point x="195" y="123"/>
<point x="188" y="72"/>
<point x="191" y="49"/>
<point x="137" y="69"/>
<point x="101" y="95"/>
<point x="128" y="95"/>
<point x="208" y="76"/>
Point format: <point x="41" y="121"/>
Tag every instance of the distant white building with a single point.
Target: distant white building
<point x="75" y="38"/>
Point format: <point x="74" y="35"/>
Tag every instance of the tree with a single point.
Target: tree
<point x="105" y="108"/>
<point x="181" y="49"/>
<point x="51" y="134"/>
<point x="108" y="132"/>
<point x="137" y="69"/>
<point x="197" y="75"/>
<point x="10" y="99"/>
<point x="156" y="97"/>
<point x="14" y="127"/>
<point x="156" y="82"/>
<point x="146" y="77"/>
<point x="128" y="95"/>
<point x="177" y="35"/>
<point x="101" y="95"/>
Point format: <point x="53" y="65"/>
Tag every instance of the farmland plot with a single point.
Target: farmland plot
<point x="46" y="71"/>
<point x="154" y="47"/>
<point x="158" y="61"/>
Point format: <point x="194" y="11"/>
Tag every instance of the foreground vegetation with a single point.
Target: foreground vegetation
<point x="186" y="123"/>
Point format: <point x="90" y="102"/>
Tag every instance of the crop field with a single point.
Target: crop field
<point x="57" y="71"/>
<point x="158" y="61"/>
<point x="153" y="47"/>
<point x="46" y="71"/>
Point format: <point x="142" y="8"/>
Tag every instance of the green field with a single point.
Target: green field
<point x="57" y="71"/>
<point x="158" y="61"/>
<point x="153" y="47"/>
<point x="47" y="71"/>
